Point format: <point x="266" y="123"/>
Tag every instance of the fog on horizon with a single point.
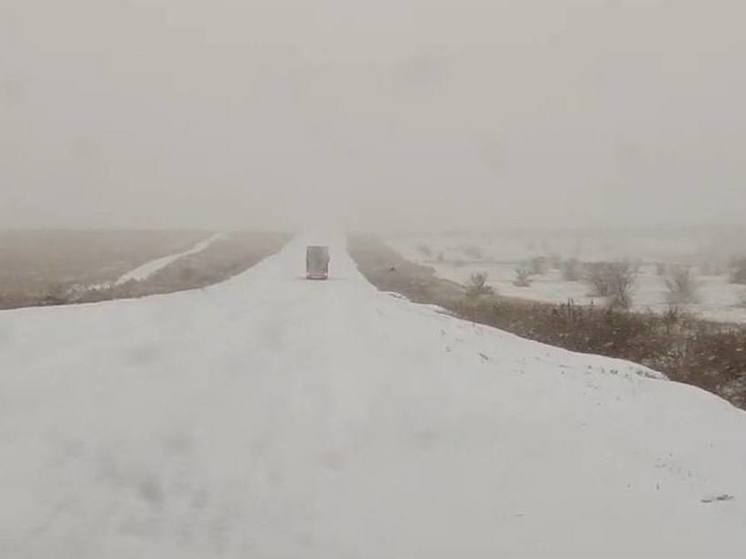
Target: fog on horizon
<point x="372" y="114"/>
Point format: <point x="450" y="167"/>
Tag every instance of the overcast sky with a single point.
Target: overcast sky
<point x="402" y="113"/>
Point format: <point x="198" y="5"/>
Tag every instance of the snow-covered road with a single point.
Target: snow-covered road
<point x="270" y="416"/>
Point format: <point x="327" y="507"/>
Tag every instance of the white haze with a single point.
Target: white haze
<point x="375" y="113"/>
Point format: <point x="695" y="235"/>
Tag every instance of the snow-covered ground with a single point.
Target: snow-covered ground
<point x="270" y="416"/>
<point x="150" y="268"/>
<point x="718" y="299"/>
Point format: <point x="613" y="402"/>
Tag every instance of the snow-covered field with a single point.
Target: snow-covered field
<point x="455" y="259"/>
<point x="149" y="268"/>
<point x="270" y="416"/>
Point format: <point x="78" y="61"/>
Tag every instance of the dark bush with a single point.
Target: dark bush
<point x="681" y="284"/>
<point x="614" y="281"/>
<point x="572" y="270"/>
<point x="522" y="277"/>
<point x="477" y="286"/>
<point x="539" y="265"/>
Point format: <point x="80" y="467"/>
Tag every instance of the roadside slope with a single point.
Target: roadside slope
<point x="272" y="416"/>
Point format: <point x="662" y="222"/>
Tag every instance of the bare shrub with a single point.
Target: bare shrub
<point x="522" y="277"/>
<point x="672" y="318"/>
<point x="738" y="271"/>
<point x="661" y="269"/>
<point x="682" y="285"/>
<point x="572" y="270"/>
<point x="597" y="279"/>
<point x="440" y="257"/>
<point x="539" y="265"/>
<point x="477" y="286"/>
<point x="623" y="281"/>
<point x="613" y="280"/>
